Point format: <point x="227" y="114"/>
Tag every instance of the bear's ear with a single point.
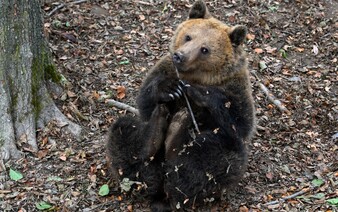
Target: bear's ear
<point x="199" y="10"/>
<point x="237" y="35"/>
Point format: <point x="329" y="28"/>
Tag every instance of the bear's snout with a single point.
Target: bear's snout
<point x="178" y="58"/>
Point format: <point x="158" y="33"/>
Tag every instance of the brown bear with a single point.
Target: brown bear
<point x="177" y="166"/>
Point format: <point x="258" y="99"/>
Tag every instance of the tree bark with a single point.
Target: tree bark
<point x="25" y="104"/>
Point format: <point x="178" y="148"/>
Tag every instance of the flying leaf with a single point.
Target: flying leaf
<point x="43" y="205"/>
<point x="104" y="190"/>
<point x="15" y="175"/>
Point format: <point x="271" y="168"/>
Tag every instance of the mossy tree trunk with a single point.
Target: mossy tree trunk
<point x="25" y="104"/>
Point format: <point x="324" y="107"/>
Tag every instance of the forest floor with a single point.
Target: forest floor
<point x="105" y="48"/>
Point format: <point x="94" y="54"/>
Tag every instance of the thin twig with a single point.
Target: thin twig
<point x="271" y="97"/>
<point x="122" y="106"/>
<point x="144" y="3"/>
<point x="288" y="197"/>
<point x="55" y="9"/>
<point x="189" y="108"/>
<point x="62" y="5"/>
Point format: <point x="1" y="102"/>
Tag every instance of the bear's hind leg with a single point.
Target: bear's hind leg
<point x="123" y="146"/>
<point x="177" y="133"/>
<point x="132" y="149"/>
<point x="155" y="131"/>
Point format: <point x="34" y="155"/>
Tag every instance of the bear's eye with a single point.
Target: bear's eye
<point x="187" y="38"/>
<point x="204" y="50"/>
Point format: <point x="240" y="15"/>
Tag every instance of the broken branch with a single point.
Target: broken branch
<point x="288" y="197"/>
<point x="270" y="96"/>
<point x="273" y="99"/>
<point x="122" y="106"/>
<point x="60" y="6"/>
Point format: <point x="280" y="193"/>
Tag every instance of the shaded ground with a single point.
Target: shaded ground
<point x="105" y="48"/>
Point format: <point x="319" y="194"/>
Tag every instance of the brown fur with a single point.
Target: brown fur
<point x="158" y="149"/>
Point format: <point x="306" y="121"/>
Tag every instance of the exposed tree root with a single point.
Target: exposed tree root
<point x="7" y="138"/>
<point x="51" y="112"/>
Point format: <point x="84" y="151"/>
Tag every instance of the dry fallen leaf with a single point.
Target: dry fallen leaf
<point x="243" y="209"/>
<point x="42" y="153"/>
<point x="63" y="157"/>
<point x="258" y="50"/>
<point x="315" y="49"/>
<point x="96" y="95"/>
<point x="121" y="92"/>
<point x="269" y="175"/>
<point x="299" y="49"/>
<point x="142" y="17"/>
<point x="71" y="94"/>
<point x="250" y="36"/>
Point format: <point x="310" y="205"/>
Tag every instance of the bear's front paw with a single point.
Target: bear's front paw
<point x="199" y="95"/>
<point x="169" y="90"/>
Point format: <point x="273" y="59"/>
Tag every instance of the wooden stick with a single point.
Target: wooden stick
<point x="270" y="96"/>
<point x="273" y="99"/>
<point x="55" y="9"/>
<point x="288" y="197"/>
<point x="144" y="3"/>
<point x="60" y="6"/>
<point x="189" y="108"/>
<point x="122" y="106"/>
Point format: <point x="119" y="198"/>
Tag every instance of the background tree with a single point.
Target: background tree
<point x="25" y="66"/>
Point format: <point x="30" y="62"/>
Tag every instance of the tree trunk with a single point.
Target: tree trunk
<point x="25" y="104"/>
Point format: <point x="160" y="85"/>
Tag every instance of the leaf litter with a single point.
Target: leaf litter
<point x="103" y="49"/>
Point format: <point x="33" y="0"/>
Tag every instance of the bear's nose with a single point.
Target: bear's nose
<point x="178" y="57"/>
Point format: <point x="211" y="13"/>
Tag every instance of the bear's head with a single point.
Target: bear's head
<point x="205" y="50"/>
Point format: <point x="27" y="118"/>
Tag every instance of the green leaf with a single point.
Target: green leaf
<point x="126" y="184"/>
<point x="273" y="8"/>
<point x="318" y="196"/>
<point x="333" y="201"/>
<point x="125" y="62"/>
<point x="262" y="65"/>
<point x="57" y="23"/>
<point x="104" y="190"/>
<point x="317" y="182"/>
<point x="67" y="24"/>
<point x="165" y="8"/>
<point x="15" y="175"/>
<point x="283" y="53"/>
<point x="43" y="205"/>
